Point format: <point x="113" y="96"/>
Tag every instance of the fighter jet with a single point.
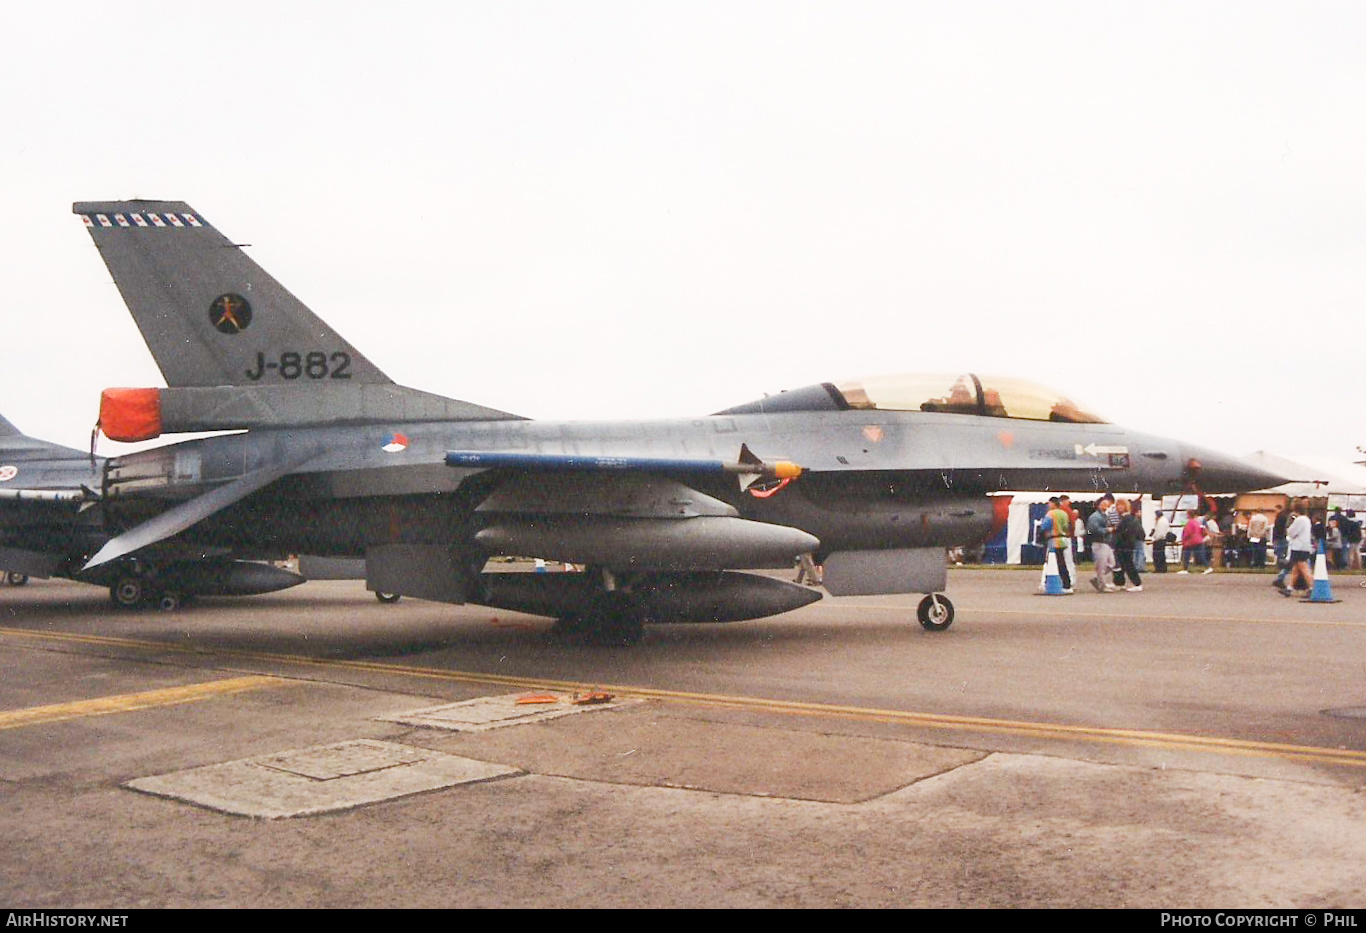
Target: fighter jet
<point x="874" y="477"/>
<point x="44" y="492"/>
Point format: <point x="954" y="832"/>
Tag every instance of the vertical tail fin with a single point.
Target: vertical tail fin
<point x="209" y="314"/>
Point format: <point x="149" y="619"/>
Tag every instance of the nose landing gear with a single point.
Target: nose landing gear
<point x="935" y="612"/>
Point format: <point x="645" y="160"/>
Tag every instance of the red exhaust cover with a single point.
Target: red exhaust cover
<point x="130" y="414"/>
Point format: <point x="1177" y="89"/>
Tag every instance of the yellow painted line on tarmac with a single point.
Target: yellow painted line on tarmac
<point x="1171" y="741"/>
<point x="1173" y="617"/>
<point x="909" y="611"/>
<point x="148" y="699"/>
<point x="1036" y="730"/>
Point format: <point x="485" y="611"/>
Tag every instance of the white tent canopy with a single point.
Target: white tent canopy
<point x="1020" y="527"/>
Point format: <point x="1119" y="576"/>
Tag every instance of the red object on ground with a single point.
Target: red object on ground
<point x="591" y="696"/>
<point x="537" y="698"/>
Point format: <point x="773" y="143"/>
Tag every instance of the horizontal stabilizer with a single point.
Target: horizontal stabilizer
<point x="186" y="514"/>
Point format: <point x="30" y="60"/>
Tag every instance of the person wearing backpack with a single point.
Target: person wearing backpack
<point x="1128" y="535"/>
<point x="1349" y="557"/>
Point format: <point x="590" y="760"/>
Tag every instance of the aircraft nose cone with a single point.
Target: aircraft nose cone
<point x="1225" y="473"/>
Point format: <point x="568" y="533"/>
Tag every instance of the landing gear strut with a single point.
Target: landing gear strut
<point x="935" y="612"/>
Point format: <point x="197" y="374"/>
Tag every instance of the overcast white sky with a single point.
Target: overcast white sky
<point x="640" y="209"/>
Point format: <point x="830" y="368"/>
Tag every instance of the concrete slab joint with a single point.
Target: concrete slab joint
<point x="321" y="779"/>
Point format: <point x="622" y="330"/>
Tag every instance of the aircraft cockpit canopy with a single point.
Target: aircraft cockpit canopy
<point x="965" y="394"/>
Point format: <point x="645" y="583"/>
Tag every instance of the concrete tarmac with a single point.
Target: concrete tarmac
<point x="1200" y="744"/>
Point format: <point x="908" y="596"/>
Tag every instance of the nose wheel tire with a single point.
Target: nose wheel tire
<point x="935" y="612"/>
<point x="388" y="597"/>
<point x="16" y="579"/>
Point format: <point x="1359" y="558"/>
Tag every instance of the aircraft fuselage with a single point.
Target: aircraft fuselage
<point x="870" y="479"/>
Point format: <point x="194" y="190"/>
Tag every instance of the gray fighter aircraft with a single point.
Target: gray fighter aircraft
<point x="44" y="491"/>
<point x="876" y="477"/>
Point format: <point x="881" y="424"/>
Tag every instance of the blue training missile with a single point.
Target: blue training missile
<point x="747" y="464"/>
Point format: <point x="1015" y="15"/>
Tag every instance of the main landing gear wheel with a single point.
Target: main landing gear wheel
<point x="619" y="629"/>
<point x="610" y="620"/>
<point x="603" y="630"/>
<point x="126" y="592"/>
<point x="388" y="597"/>
<point x="935" y="612"/>
<point x="571" y="627"/>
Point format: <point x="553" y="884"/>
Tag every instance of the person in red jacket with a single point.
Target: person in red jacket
<point x="1192" y="542"/>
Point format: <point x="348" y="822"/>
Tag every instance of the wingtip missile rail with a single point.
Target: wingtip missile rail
<point x="45" y="495"/>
